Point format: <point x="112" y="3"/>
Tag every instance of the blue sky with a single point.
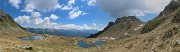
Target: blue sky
<point x="77" y="14"/>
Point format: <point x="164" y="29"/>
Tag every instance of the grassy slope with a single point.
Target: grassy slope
<point x="160" y="39"/>
<point x="118" y="30"/>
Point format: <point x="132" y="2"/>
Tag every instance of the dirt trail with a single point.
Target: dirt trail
<point x="154" y="44"/>
<point x="119" y="49"/>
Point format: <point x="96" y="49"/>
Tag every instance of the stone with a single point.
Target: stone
<point x="26" y="47"/>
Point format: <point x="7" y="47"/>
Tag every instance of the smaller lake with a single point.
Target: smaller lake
<point x="84" y="44"/>
<point x="33" y="38"/>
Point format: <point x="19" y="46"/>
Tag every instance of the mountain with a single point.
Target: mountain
<point x="119" y="28"/>
<point x="173" y="7"/>
<point x="8" y="27"/>
<point x="162" y="34"/>
<point x="61" y="32"/>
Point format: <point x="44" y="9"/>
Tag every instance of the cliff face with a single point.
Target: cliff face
<point x="119" y="28"/>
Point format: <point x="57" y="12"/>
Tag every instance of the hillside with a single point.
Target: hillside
<point x="126" y="34"/>
<point x="161" y="34"/>
<point x="8" y="27"/>
<point x="121" y="28"/>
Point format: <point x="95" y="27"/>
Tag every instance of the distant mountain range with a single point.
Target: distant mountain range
<point x="62" y="32"/>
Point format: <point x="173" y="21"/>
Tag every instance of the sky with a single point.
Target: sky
<point x="79" y="14"/>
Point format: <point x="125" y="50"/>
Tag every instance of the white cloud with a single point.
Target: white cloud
<point x="78" y="27"/>
<point x="35" y="14"/>
<point x="75" y="13"/>
<point x="91" y="2"/>
<point x="54" y="17"/>
<point x="71" y="2"/>
<point x="41" y="5"/>
<point x="84" y="13"/>
<point x="69" y="5"/>
<point x="15" y="3"/>
<point x="119" y="8"/>
<point x="29" y="7"/>
<point x="37" y="20"/>
<point x="47" y="23"/>
<point x="23" y="19"/>
<point x="140" y="14"/>
<point x="67" y="8"/>
<point x="156" y="6"/>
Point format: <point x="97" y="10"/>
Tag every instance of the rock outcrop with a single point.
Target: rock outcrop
<point x="121" y="26"/>
<point x="8" y="27"/>
<point x="174" y="6"/>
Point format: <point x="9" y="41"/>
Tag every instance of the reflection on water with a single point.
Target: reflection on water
<point x="84" y="44"/>
<point x="33" y="38"/>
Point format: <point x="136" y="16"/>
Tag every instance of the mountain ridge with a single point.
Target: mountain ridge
<point x="162" y="34"/>
<point x="120" y="27"/>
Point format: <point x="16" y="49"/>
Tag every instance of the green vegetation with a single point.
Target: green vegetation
<point x="168" y="34"/>
<point x="151" y="25"/>
<point x="176" y="18"/>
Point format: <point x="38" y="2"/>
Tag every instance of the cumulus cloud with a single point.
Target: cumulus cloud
<point x="46" y="22"/>
<point x="23" y="19"/>
<point x="69" y="5"/>
<point x="35" y="14"/>
<point x="41" y="5"/>
<point x="15" y="3"/>
<point x="78" y="27"/>
<point x="29" y="7"/>
<point x="54" y="17"/>
<point x="91" y="2"/>
<point x="71" y="2"/>
<point x="36" y="19"/>
<point x="75" y="13"/>
<point x="119" y="8"/>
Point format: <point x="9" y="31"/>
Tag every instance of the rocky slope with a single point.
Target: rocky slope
<point x="161" y="34"/>
<point x="122" y="27"/>
<point x="9" y="28"/>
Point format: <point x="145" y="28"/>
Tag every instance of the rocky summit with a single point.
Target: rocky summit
<point x="122" y="27"/>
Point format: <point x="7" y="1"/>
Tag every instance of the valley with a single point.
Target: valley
<point x="126" y="34"/>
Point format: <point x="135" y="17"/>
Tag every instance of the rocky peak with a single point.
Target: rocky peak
<point x="4" y="16"/>
<point x="1" y="11"/>
<point x="126" y="19"/>
<point x="7" y="21"/>
<point x="120" y="26"/>
<point x="172" y="6"/>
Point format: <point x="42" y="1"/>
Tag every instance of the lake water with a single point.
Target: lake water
<point x="33" y="38"/>
<point x="84" y="44"/>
